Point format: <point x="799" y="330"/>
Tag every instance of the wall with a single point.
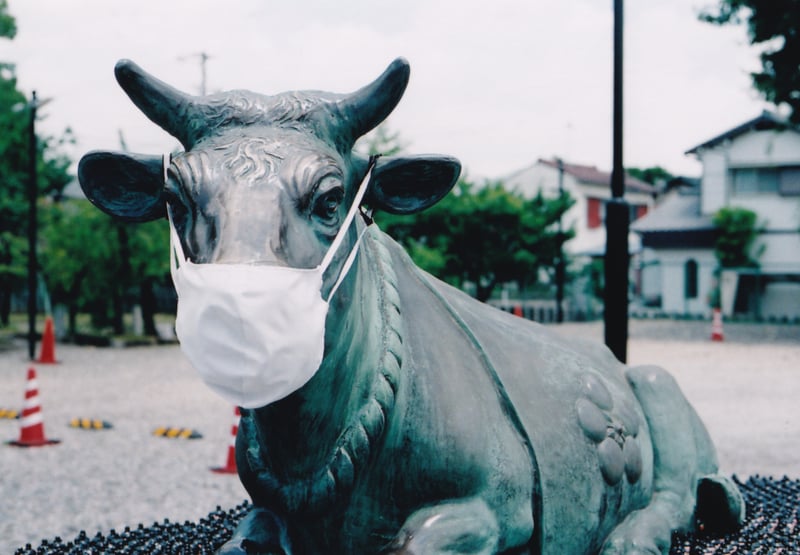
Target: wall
<point x="781" y="300"/>
<point x="652" y="285"/>
<point x="713" y="193"/>
<point x="764" y="148"/>
<point x="781" y="252"/>
<point x="775" y="212"/>
<point x="673" y="263"/>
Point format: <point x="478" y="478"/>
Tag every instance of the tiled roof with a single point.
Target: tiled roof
<point x="590" y="175"/>
<point x="678" y="212"/>
<point x="767" y="120"/>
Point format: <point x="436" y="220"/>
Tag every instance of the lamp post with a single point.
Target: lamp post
<point x="615" y="312"/>
<point x="33" y="193"/>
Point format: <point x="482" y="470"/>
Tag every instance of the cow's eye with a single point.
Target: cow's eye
<point x="326" y="206"/>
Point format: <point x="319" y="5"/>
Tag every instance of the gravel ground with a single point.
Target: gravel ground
<point x="746" y="389"/>
<point x="104" y="479"/>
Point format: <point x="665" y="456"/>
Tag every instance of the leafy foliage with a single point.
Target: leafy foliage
<point x="15" y="152"/>
<point x="485" y="235"/>
<point x="94" y="264"/>
<point x="8" y="25"/>
<point x="650" y="175"/>
<point x="774" y="24"/>
<point x="737" y="231"/>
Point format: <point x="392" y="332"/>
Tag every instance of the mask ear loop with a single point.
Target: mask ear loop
<point x="354" y="209"/>
<point x="175" y="247"/>
<point x="166" y="160"/>
<point x="347" y="264"/>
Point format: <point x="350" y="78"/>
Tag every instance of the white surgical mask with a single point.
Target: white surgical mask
<point x="255" y="333"/>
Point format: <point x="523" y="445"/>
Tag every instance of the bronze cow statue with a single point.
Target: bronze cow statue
<point x="435" y="424"/>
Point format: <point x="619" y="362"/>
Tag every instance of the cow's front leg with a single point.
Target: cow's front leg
<point x="467" y="527"/>
<point x="260" y="532"/>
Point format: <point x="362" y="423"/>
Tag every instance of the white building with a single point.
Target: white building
<point x="754" y="166"/>
<point x="591" y="189"/>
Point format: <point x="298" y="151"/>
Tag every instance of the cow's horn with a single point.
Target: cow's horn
<point x="166" y="106"/>
<point x="370" y="105"/>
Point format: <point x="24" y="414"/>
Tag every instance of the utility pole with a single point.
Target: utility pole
<point x="203" y="57"/>
<point x="617" y="257"/>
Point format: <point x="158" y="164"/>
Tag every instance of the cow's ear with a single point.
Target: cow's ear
<point x="410" y="184"/>
<point x="127" y="186"/>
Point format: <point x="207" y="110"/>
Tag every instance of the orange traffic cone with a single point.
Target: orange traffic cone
<point x="716" y="326"/>
<point x="230" y="465"/>
<point x="31" y="421"/>
<point x="48" y="352"/>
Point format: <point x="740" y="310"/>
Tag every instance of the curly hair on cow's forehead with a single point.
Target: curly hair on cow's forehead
<point x="252" y="159"/>
<point x="241" y="108"/>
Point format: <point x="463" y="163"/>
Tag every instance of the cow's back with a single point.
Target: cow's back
<point x="547" y="378"/>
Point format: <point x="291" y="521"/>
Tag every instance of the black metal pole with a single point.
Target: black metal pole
<point x="617" y="218"/>
<point x="560" y="264"/>
<point x="32" y="194"/>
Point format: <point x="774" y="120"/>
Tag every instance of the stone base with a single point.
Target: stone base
<point x="771" y="527"/>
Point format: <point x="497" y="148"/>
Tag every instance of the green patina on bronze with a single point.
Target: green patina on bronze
<point x="435" y="424"/>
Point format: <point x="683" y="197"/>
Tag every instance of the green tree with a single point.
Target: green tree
<point x="8" y="25"/>
<point x="485" y="235"/>
<point x="149" y="261"/>
<point x="75" y="237"/>
<point x="650" y="175"/>
<point x="774" y="25"/>
<point x="737" y="231"/>
<point x="14" y="174"/>
<point x="84" y="252"/>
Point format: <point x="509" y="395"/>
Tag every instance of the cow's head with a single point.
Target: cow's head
<point x="263" y="179"/>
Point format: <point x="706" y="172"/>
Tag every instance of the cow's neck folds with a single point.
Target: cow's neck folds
<point x="330" y="427"/>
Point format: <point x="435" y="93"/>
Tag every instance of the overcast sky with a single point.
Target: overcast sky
<point x="497" y="83"/>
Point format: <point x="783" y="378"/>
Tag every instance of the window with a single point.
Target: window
<point x="789" y="181"/>
<point x="751" y="181"/>
<point x="595" y="213"/>
<point x="690" y="279"/>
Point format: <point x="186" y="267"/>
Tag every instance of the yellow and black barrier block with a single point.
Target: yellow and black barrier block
<point x="8" y="414"/>
<point x="180" y="433"/>
<point x="89" y="424"/>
